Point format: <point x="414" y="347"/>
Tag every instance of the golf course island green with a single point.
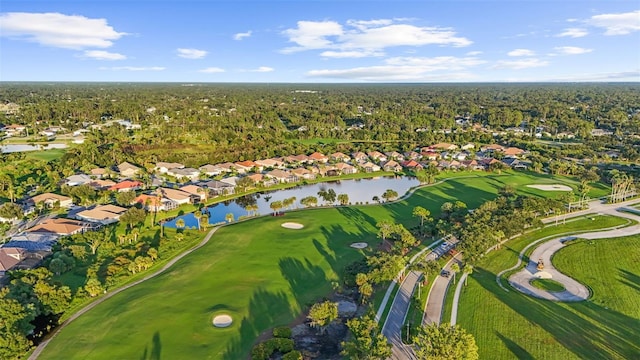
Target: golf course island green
<point x="262" y="275"/>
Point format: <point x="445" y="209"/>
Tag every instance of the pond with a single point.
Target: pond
<point x="11" y="148"/>
<point x="358" y="190"/>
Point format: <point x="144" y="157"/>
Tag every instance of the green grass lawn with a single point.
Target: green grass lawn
<point x="547" y="284"/>
<point x="45" y="155"/>
<point x="510" y="325"/>
<point x="258" y="272"/>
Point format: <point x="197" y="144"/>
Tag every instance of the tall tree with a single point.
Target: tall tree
<point x="445" y="342"/>
<point x="422" y="213"/>
<point x="365" y="342"/>
<point x="322" y="314"/>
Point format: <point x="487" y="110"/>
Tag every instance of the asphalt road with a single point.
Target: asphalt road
<point x="435" y="301"/>
<point x="392" y="327"/>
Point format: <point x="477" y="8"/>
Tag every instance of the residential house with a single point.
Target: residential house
<point x="468" y="146"/>
<point x="491" y="148"/>
<point x="231" y="180"/>
<point x="217" y="188"/>
<point x="127" y="169"/>
<point x="412" y="155"/>
<point x="184" y="173"/>
<point x="78" y="179"/>
<point x="513" y="151"/>
<point x="32" y="242"/>
<point x="394" y="155"/>
<point x="154" y="203"/>
<point x="178" y="196"/>
<point x="463" y="155"/>
<point x="413" y="165"/>
<point x="318" y="158"/>
<point x="338" y="156"/>
<point x="359" y="157"/>
<point x="196" y="192"/>
<point x="296" y="160"/>
<point x="164" y="167"/>
<point x="472" y="165"/>
<point x="10" y="258"/>
<point x="227" y="167"/>
<point x="515" y="163"/>
<point x="392" y="165"/>
<point x="377" y="156"/>
<point x="246" y="166"/>
<point x="281" y="176"/>
<point x="329" y="170"/>
<point x="430" y="155"/>
<point x="211" y="170"/>
<point x="345" y="168"/>
<point x="269" y="164"/>
<point x="370" y="167"/>
<point x="443" y="146"/>
<point x="98" y="173"/>
<point x="50" y="200"/>
<point x="487" y="162"/>
<point x="14" y="130"/>
<point x="100" y="184"/>
<point x="103" y="214"/>
<point x="127" y="185"/>
<point x="60" y="227"/>
<point x="302" y="173"/>
<point x="260" y="179"/>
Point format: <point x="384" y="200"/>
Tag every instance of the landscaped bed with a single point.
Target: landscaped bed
<point x="547" y="284"/>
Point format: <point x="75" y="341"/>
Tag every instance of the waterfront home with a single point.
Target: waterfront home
<point x="413" y="165"/>
<point x="211" y="170"/>
<point x="359" y="157"/>
<point x="302" y="173"/>
<point x="345" y="168"/>
<point x="318" y="158"/>
<point x="377" y="156"/>
<point x="178" y="196"/>
<point x="195" y="191"/>
<point x="394" y="155"/>
<point x="370" y="167"/>
<point x="102" y="214"/>
<point x="155" y="203"/>
<point x="338" y="156"/>
<point x="60" y="227"/>
<point x="217" y="187"/>
<point x="281" y="176"/>
<point x="392" y="165"/>
<point x="184" y="173"/>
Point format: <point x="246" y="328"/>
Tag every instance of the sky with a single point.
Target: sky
<point x="315" y="41"/>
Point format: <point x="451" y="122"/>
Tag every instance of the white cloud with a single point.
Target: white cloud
<point x="572" y="50"/>
<point x="520" y="64"/>
<point x="212" y="70"/>
<point x="191" y="53"/>
<point x="443" y="68"/>
<point x="521" y="52"/>
<point x="474" y="53"/>
<point x="617" y="24"/>
<point x="351" y="54"/>
<point x="573" y="32"/>
<point x="240" y="36"/>
<point x="359" y="38"/>
<point x="103" y="55"/>
<point x="263" y="69"/>
<point x="59" y="30"/>
<point x="134" y="68"/>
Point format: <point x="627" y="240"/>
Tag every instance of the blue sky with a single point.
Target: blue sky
<point x="319" y="41"/>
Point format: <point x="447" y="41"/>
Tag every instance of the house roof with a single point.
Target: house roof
<point x="255" y="177"/>
<point x="99" y="183"/>
<point x="339" y="155"/>
<point x="98" y="171"/>
<point x="184" y="171"/>
<point x="277" y="173"/>
<point x="169" y="165"/>
<point x="391" y="163"/>
<point x="513" y="151"/>
<point x="341" y="166"/>
<point x="127" y="184"/>
<point x="301" y="171"/>
<point x="193" y="189"/>
<point x="58" y="226"/>
<point x="10" y="257"/>
<point x="317" y="156"/>
<point x="216" y="184"/>
<point x="494" y="147"/>
<point x="99" y="213"/>
<point x="444" y="146"/>
<point x="173" y="194"/>
<point x="127" y="166"/>
<point x="151" y="199"/>
<point x="49" y="197"/>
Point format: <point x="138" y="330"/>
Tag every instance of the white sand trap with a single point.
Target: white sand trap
<point x="554" y="187"/>
<point x="292" y="225"/>
<point x="360" y="245"/>
<point x="542" y="275"/>
<point x="222" y="321"/>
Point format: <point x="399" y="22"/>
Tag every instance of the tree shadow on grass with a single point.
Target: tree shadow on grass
<point x="266" y="310"/>
<point x="630" y="279"/>
<point x="156" y="348"/>
<point x="584" y="328"/>
<point x="516" y="349"/>
<point x="304" y="279"/>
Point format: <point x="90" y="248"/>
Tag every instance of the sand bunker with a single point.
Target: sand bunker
<point x="292" y="225"/>
<point x="359" y="245"/>
<point x="554" y="187"/>
<point x="542" y="275"/>
<point x="222" y="321"/>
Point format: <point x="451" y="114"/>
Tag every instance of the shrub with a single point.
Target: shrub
<point x="282" y="332"/>
<point x="262" y="351"/>
<point x="283" y="345"/>
<point x="293" y="355"/>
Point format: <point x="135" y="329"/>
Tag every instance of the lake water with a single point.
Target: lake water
<point x="11" y="148"/>
<point x="360" y="190"/>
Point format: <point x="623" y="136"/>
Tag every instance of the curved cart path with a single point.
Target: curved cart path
<point x="574" y="290"/>
<point x="51" y="336"/>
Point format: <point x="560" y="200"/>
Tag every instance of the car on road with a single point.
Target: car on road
<point x="445" y="273"/>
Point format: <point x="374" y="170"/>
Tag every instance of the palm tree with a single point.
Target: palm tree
<point x="389" y="195"/>
<point x="179" y="237"/>
<point x="343" y="199"/>
<point x="198" y="215"/>
<point x="422" y="213"/>
<point x="229" y="217"/>
<point x="135" y="233"/>
<point x="467" y="269"/>
<point x="205" y="219"/>
<point x="180" y="223"/>
<point x="455" y="268"/>
<point x="275" y="206"/>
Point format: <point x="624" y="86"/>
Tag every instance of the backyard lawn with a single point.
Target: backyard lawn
<point x="258" y="272"/>
<point x="510" y="325"/>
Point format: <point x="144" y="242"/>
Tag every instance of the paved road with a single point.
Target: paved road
<point x="435" y="301"/>
<point x="44" y="344"/>
<point x="392" y="327"/>
<point x="574" y="291"/>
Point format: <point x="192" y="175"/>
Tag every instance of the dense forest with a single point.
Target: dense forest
<point x="208" y="123"/>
